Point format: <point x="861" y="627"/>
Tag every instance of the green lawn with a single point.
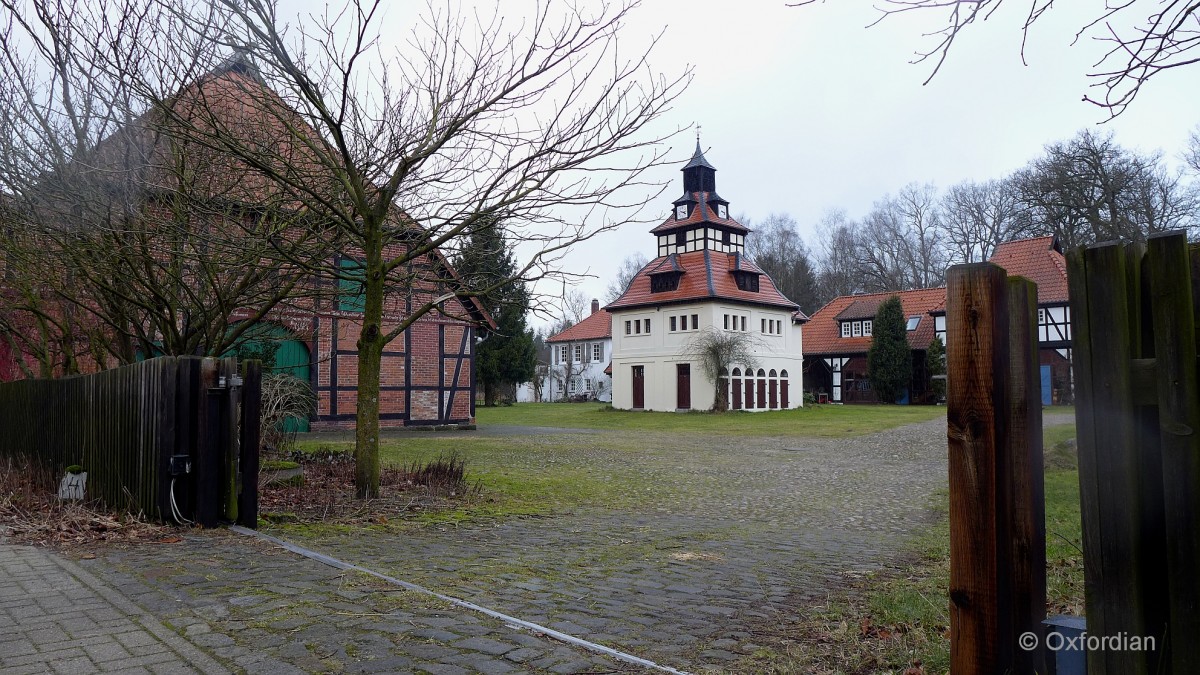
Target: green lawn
<point x="812" y="421"/>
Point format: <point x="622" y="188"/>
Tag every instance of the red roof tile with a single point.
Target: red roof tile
<point x="597" y="326"/>
<point x="1041" y="261"/>
<point x="701" y="213"/>
<point x="822" y="333"/>
<point x="706" y="276"/>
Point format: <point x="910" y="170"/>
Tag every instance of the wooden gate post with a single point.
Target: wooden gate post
<point x="1175" y="354"/>
<point x="997" y="512"/>
<point x="1120" y="465"/>
<point x="250" y="442"/>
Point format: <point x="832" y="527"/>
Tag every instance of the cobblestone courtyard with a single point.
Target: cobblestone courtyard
<point x="729" y="536"/>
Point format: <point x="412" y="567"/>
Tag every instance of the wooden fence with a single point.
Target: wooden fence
<point x="185" y="427"/>
<point x="1137" y="392"/>
<point x="1133" y="310"/>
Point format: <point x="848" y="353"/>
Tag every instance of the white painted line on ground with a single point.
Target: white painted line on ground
<point x="557" y="635"/>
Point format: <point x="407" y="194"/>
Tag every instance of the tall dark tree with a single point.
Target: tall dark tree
<point x="889" y="361"/>
<point x="775" y="246"/>
<point x="506" y="356"/>
<point x="935" y="364"/>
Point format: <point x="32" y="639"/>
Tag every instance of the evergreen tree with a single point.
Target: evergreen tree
<point x="889" y="361"/>
<point x="506" y="356"/>
<point x="935" y="364"/>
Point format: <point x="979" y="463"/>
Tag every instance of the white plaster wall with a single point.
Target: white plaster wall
<point x="661" y="350"/>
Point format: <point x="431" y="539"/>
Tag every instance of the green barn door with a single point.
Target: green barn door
<point x="280" y="352"/>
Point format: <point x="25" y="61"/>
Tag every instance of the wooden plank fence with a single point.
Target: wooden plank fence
<point x="1138" y="417"/>
<point x="125" y="425"/>
<point x="1137" y="391"/>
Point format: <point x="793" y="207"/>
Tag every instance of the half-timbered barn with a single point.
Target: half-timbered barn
<point x="1041" y="260"/>
<point x="701" y="280"/>
<point x="427" y="374"/>
<point x="838" y="336"/>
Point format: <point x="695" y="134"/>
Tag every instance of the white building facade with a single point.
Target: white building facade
<point x="702" y="283"/>
<point x="579" y="357"/>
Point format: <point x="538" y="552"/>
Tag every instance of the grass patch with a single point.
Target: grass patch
<point x="888" y="622"/>
<point x="819" y="421"/>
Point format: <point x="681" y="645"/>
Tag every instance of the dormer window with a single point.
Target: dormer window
<point x="664" y="281"/>
<point x="746" y="281"/>
<point x="722" y="211"/>
<point x="680" y="212"/>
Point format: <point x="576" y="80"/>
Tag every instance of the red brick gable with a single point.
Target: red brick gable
<point x="597" y="326"/>
<point x="707" y="275"/>
<point x="1041" y="261"/>
<point x="822" y="333"/>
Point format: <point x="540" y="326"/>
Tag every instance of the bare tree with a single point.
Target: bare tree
<point x="1091" y="189"/>
<point x="977" y="217"/>
<point x="403" y="154"/>
<point x="837" y="264"/>
<point x="1144" y="38"/>
<point x="900" y="244"/>
<point x="718" y="351"/>
<point x="776" y="246"/>
<point x="630" y="266"/>
<point x="1191" y="155"/>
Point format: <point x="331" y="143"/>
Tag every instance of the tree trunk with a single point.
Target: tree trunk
<point x="370" y="357"/>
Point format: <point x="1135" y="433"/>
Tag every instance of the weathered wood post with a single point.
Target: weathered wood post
<point x="250" y="442"/>
<point x="1175" y="354"/>
<point x="997" y="512"/>
<point x="1120" y="465"/>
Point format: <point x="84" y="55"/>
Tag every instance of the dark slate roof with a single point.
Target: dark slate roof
<point x="698" y="159"/>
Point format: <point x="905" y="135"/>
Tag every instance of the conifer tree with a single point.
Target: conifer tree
<point x="889" y="361"/>
<point x="935" y="364"/>
<point x="506" y="356"/>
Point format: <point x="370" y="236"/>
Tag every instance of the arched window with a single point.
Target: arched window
<point x="735" y="386"/>
<point x="762" y="388"/>
<point x="774" y="385"/>
<point x="783" y="389"/>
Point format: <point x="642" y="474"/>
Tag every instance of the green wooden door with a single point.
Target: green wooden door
<point x="280" y="352"/>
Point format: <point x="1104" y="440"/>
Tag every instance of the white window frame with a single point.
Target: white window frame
<point x="628" y="328"/>
<point x="647" y="326"/>
<point x="845" y="329"/>
<point x="868" y="327"/>
<point x="578" y="353"/>
<point x="856" y="327"/>
<point x="597" y="352"/>
<point x="564" y="353"/>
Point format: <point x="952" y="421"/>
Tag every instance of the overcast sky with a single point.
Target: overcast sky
<point x="804" y="110"/>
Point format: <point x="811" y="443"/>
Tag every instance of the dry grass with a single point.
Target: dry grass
<point x="32" y="513"/>
<point x="326" y="493"/>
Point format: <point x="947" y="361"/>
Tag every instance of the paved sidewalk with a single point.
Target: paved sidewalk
<point x="56" y="617"/>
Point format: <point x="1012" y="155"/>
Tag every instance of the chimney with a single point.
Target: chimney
<point x="595" y="305"/>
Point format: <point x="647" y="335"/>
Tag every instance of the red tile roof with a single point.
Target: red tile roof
<point x="597" y="326"/>
<point x="822" y="333"/>
<point x="707" y="275"/>
<point x="701" y="213"/>
<point x="1041" y="261"/>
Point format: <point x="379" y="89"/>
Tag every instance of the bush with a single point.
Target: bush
<point x="446" y="473"/>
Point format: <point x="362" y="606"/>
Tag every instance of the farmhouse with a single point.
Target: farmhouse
<point x="839" y="335"/>
<point x="1040" y="259"/>
<point x="702" y="282"/>
<point x="579" y="359"/>
<point x="427" y="373"/>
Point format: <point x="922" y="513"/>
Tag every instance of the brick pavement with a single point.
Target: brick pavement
<point x="737" y="534"/>
<point x="56" y="617"/>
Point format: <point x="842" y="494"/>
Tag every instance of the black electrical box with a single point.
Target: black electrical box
<point x="180" y="464"/>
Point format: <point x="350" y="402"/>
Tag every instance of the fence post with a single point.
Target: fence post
<point x="207" y="462"/>
<point x="1021" y="474"/>
<point x="251" y="416"/>
<point x="976" y="335"/>
<point x="1119" y="464"/>
<point x="1175" y="355"/>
